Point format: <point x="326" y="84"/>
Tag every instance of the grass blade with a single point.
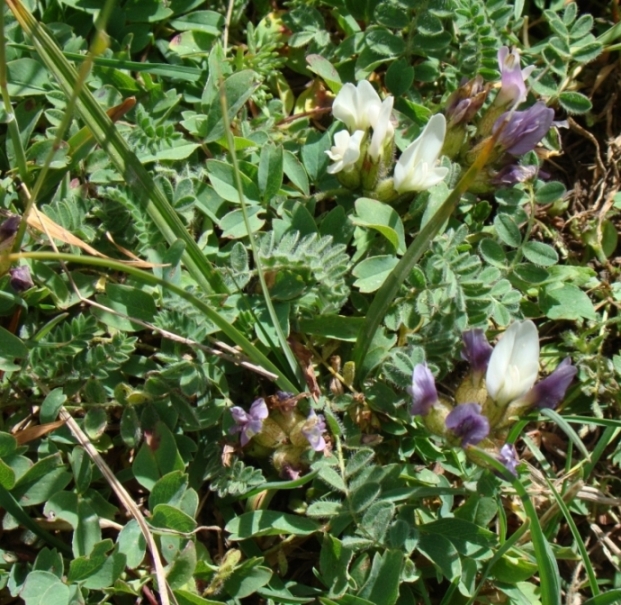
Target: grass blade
<point x="566" y="428"/>
<point x="235" y="335"/>
<point x="548" y="569"/>
<point x="125" y="161"/>
<point x="389" y="289"/>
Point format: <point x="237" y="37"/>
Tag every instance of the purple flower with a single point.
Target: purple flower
<point x="466" y="101"/>
<point x="249" y="423"/>
<point x="20" y="278"/>
<point x="313" y="430"/>
<point x="477" y="350"/>
<point x="514" y="173"/>
<point x="467" y="422"/>
<point x="508" y="456"/>
<point x="549" y="392"/>
<point x="9" y="227"/>
<point x="512" y="77"/>
<point x="524" y="129"/>
<point x="423" y="390"/>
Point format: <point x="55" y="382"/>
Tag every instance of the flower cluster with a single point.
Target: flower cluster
<point x="486" y="407"/>
<point x="363" y="154"/>
<point x="284" y="433"/>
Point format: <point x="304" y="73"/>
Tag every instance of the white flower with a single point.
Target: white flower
<point x="346" y="150"/>
<point x="416" y="169"/>
<point x="514" y="364"/>
<point x="383" y="130"/>
<point x="358" y="107"/>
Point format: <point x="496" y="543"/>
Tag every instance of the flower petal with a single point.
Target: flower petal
<point x="423" y="391"/>
<point x="514" y="363"/>
<point x="467" y="422"/>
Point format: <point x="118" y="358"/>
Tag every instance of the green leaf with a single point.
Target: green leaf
<point x="492" y="252"/>
<point x="296" y="173"/>
<point x="610" y="597"/>
<point x="270" y="170"/>
<point x="170" y="517"/>
<point x="11" y="346"/>
<point x="157" y="457"/>
<point x="209" y="22"/>
<point x="467" y="537"/>
<point x="313" y="153"/>
<point x="182" y="568"/>
<point x="323" y="508"/>
<point x="41" y="481"/>
<point x="399" y="77"/>
<point x="550" y="192"/>
<point x="337" y="327"/>
<point x="131" y="543"/>
<point x="585" y="53"/>
<point x="169" y="489"/>
<point x="76" y="511"/>
<point x="441" y="552"/>
<point x="58" y="153"/>
<point x="364" y="496"/>
<point x="512" y="569"/>
<point x="382" y="585"/>
<point x="51" y="405"/>
<point x="99" y="570"/>
<point x="50" y="560"/>
<point x="531" y="274"/>
<point x="237" y="89"/>
<point x="566" y="302"/>
<point x="325" y="70"/>
<point x="185" y="597"/>
<point x="329" y="476"/>
<point x="222" y="177"/>
<point x="382" y="218"/>
<point x="44" y="588"/>
<point x="234" y="227"/>
<point x="575" y="102"/>
<point x="8" y="444"/>
<point x="377" y="519"/>
<point x="7" y="476"/>
<point x="383" y="42"/>
<point x="372" y="272"/>
<point x="334" y="560"/>
<point x="269" y="523"/>
<point x="27" y="77"/>
<point x="540" y="254"/>
<point x="508" y="230"/>
<point x="247" y="579"/>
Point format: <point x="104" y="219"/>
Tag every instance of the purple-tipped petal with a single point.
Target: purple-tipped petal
<point x="508" y="456"/>
<point x="514" y="173"/>
<point x="258" y="409"/>
<point x="466" y="101"/>
<point x="313" y="430"/>
<point x="512" y="85"/>
<point x="524" y="129"/>
<point x="467" y="422"/>
<point x="550" y="391"/>
<point x="249" y="423"/>
<point x="424" y="394"/>
<point x="477" y="350"/>
<point x="9" y="227"/>
<point x="20" y="278"/>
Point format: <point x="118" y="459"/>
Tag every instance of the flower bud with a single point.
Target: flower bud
<point x="468" y="424"/>
<point x="20" y="278"/>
